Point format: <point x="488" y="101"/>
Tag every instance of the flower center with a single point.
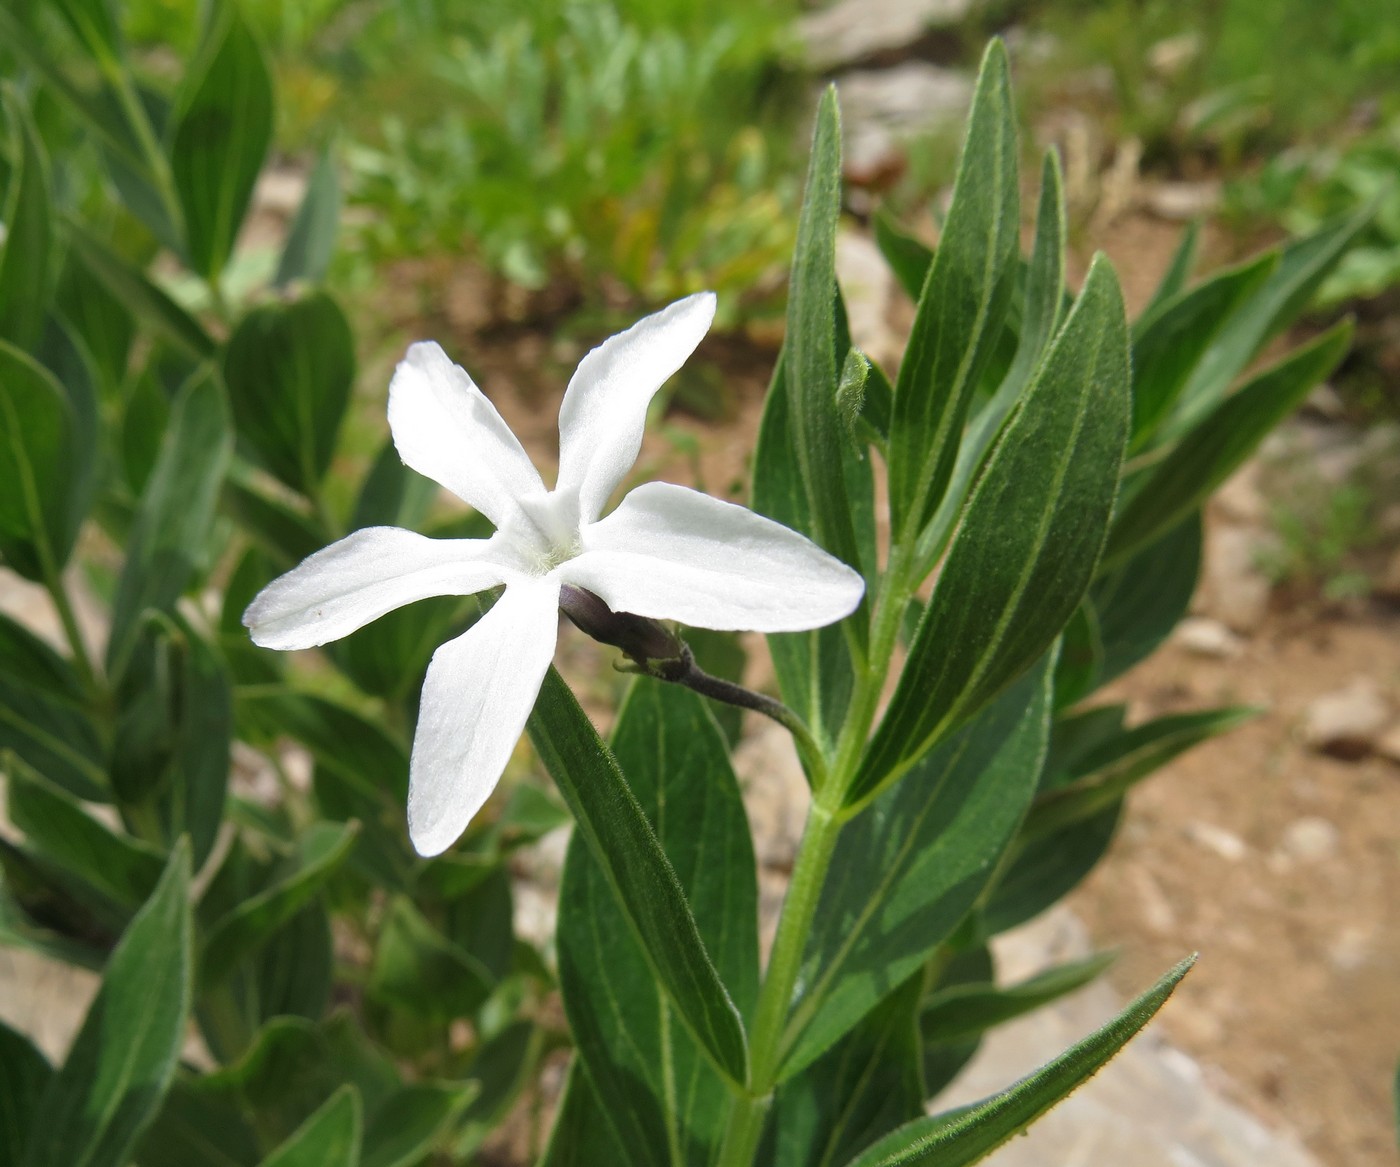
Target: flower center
<point x="549" y="535"/>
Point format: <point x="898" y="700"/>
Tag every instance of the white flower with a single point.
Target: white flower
<point x="665" y="552"/>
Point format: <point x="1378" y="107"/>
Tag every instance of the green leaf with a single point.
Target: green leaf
<point x="24" y="657"/>
<point x="121" y="1062"/>
<point x="865" y="1085"/>
<point x="582" y="1135"/>
<point x="503" y="1067"/>
<point x="811" y="363"/>
<point x="964" y="1011"/>
<point x="1117" y="765"/>
<point x="311" y="241"/>
<point x="1305" y="263"/>
<point x="24" y="1074"/>
<point x="55" y="736"/>
<point x="1173" y="342"/>
<point x="238" y="935"/>
<point x="289" y="368"/>
<point x="292" y="974"/>
<point x="961" y="308"/>
<point x="287" y="535"/>
<point x="1174" y="487"/>
<point x="1174" y="279"/>
<point x="222" y="129"/>
<point x="329" y="1138"/>
<point x="664" y="1101"/>
<point x="26" y="252"/>
<point x="410" y="1122"/>
<point x="969" y="1135"/>
<point x="909" y="258"/>
<point x="171" y="534"/>
<point x="913" y="864"/>
<point x="1025" y="552"/>
<point x="104" y="323"/>
<point x="55" y="824"/>
<point x="1137" y="603"/>
<point x="420" y="971"/>
<point x="130" y="286"/>
<point x="615" y="829"/>
<point x="36" y="448"/>
<point x="396" y="495"/>
<point x="1040" y="317"/>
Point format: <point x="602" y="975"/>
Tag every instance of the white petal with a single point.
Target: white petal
<point x="445" y="428"/>
<point x="478" y="693"/>
<point x="675" y="554"/>
<point x="346" y="585"/>
<point x="605" y="406"/>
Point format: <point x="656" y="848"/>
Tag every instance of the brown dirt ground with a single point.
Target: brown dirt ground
<point x="1293" y="1007"/>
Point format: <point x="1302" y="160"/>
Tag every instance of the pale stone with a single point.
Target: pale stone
<point x="1182" y="201"/>
<point x="882" y="109"/>
<point x="1346" y="723"/>
<point x="1202" y="636"/>
<point x="1233" y="588"/>
<point x="1310" y="839"/>
<point x="1388" y="743"/>
<point x="867" y="284"/>
<point x="851" y="30"/>
<point x="1217" y="840"/>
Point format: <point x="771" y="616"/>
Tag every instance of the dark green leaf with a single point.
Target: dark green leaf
<point x="1027" y="547"/>
<point x="959" y="317"/>
<point x="1211" y="452"/>
<point x="1178" y="335"/>
<point x="292" y="974"/>
<point x="103" y="321"/>
<point x="24" y="657"/>
<point x="969" y="1135"/>
<point x="55" y="824"/>
<point x="130" y="286"/>
<point x="55" y="736"/>
<point x="411" y="1122"/>
<point x="582" y="1135"/>
<point x="1114" y="767"/>
<point x="966" y="1010"/>
<point x="1080" y="658"/>
<point x="909" y="258"/>
<point x="721" y="654"/>
<point x="665" y="1102"/>
<point x="503" y="1067"/>
<point x="419" y="970"/>
<point x="396" y="495"/>
<point x="223" y="126"/>
<point x="289" y="368"/>
<point x="121" y="1062"/>
<point x="1174" y="278"/>
<point x="913" y="864"/>
<point x="287" y="535"/>
<point x="615" y="829"/>
<point x="96" y="25"/>
<point x="26" y="251"/>
<point x="311" y="241"/>
<point x="24" y="1074"/>
<point x="811" y="362"/>
<point x="329" y="1138"/>
<point x="36" y="451"/>
<point x="40" y="909"/>
<point x="171" y="535"/>
<point x="321" y="849"/>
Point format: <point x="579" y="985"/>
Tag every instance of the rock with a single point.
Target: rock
<point x="881" y="109"/>
<point x="1226" y="844"/>
<point x="1239" y="498"/>
<point x="1182" y="201"/>
<point x="868" y="285"/>
<point x="851" y="30"/>
<point x="1202" y="636"/>
<point x="1233" y="589"/>
<point x="1347" y="723"/>
<point x="1310" y="840"/>
<point x="1388" y="744"/>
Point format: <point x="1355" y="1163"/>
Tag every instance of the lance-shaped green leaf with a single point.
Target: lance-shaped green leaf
<point x="1174" y="279"/>
<point x="130" y="286"/>
<point x="55" y="824"/>
<point x="909" y="258"/>
<point x="1041" y="313"/>
<point x="26" y="251"/>
<point x="1138" y="602"/>
<point x="291" y="976"/>
<point x="321" y="849"/>
<point x="419" y="970"/>
<point x="1214" y="449"/>
<point x="640" y="877"/>
<point x="311" y="241"/>
<point x="1178" y="335"/>
<point x="810" y="365"/>
<point x="24" y="657"/>
<point x="329" y="1138"/>
<point x="964" y="1011"/>
<point x="287" y="535"/>
<point x="170" y="536"/>
<point x="914" y="863"/>
<point x="24" y="1073"/>
<point x="223" y="125"/>
<point x="969" y="1135"/>
<point x="864" y="1086"/>
<point x="962" y="306"/>
<point x="1108" y="772"/>
<point x="662" y="1098"/>
<point x="121" y="1062"/>
<point x="582" y="1135"/>
<point x="36" y="448"/>
<point x="289" y="368"/>
<point x="54" y="735"/>
<point x="409" y="1123"/>
<point x="202" y="741"/>
<point x="1305" y="263"/>
<point x="1029" y="541"/>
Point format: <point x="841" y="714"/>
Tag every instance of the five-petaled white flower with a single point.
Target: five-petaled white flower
<point x="665" y="552"/>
